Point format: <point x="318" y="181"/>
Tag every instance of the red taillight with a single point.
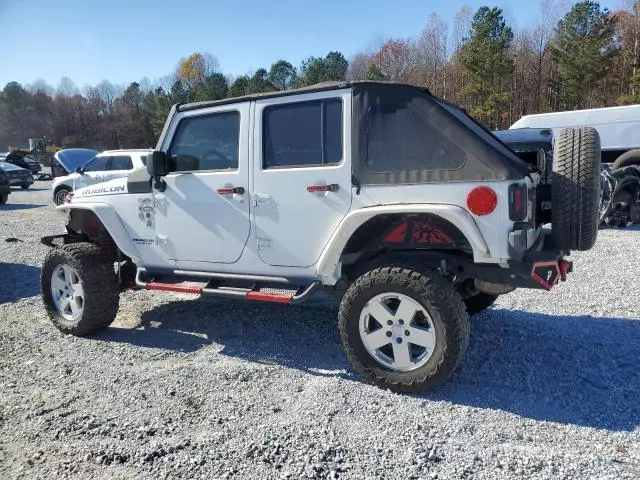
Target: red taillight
<point x="517" y="202"/>
<point x="482" y="201"/>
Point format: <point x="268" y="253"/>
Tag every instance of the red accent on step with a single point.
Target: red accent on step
<point x="269" y="297"/>
<point x="177" y="288"/>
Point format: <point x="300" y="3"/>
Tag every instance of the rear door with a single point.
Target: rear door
<point x="302" y="174"/>
<point x="119" y="166"/>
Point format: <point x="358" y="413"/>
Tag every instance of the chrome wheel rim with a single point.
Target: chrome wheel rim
<point x="60" y="196"/>
<point x="67" y="292"/>
<point x="397" y="332"/>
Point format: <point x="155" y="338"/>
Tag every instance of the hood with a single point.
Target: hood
<point x="72" y="158"/>
<point x="112" y="187"/>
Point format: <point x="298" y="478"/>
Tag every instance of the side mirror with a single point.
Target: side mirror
<point x="79" y="170"/>
<point x="158" y="167"/>
<point x="157" y="164"/>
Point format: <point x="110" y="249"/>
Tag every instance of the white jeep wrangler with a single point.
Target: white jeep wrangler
<point x="399" y="201"/>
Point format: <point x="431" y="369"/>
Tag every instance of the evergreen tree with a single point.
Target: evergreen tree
<point x="485" y="57"/>
<point x="583" y="50"/>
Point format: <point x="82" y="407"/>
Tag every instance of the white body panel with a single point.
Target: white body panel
<point x="196" y="224"/>
<point x="292" y="225"/>
<point x="75" y="181"/>
<point x="619" y="127"/>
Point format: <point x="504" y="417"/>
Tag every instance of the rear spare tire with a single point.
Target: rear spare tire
<point x="575" y="188"/>
<point x="632" y="157"/>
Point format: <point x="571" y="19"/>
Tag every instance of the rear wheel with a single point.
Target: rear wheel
<point x="80" y="288"/>
<point x="575" y="189"/>
<point x="25" y="186"/>
<point x="405" y="330"/>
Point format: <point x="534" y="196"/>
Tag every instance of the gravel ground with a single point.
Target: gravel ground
<point x="178" y="388"/>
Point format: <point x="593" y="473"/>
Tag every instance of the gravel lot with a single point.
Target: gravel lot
<point x="177" y="388"/>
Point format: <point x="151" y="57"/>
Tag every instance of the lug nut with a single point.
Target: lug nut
<point x="401" y="322"/>
<point x="389" y="322"/>
<point x="407" y="332"/>
<point x="389" y="334"/>
<point x="399" y="340"/>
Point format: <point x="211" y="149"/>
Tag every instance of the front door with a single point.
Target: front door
<point x="302" y="174"/>
<point x="92" y="172"/>
<point x="203" y="215"/>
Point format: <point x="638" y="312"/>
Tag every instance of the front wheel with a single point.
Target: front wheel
<point x="405" y="330"/>
<point x="60" y="196"/>
<point x="25" y="186"/>
<point x="80" y="288"/>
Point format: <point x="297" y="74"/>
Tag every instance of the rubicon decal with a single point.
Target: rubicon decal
<point x="103" y="190"/>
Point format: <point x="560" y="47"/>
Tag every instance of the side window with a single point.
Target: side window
<point x="121" y="162"/>
<point x="404" y="138"/>
<point x="206" y="142"/>
<point x="302" y="134"/>
<point x="98" y="164"/>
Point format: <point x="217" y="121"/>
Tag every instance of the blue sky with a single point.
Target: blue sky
<point x="126" y="40"/>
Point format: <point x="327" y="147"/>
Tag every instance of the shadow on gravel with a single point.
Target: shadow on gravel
<point x="18" y="281"/>
<point x="578" y="370"/>
<point x="19" y="206"/>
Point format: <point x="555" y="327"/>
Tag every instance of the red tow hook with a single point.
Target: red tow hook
<point x="565" y="268"/>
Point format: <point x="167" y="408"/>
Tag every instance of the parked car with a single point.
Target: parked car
<point x="5" y="187"/>
<point x="22" y="162"/>
<point x="67" y="160"/>
<point x="399" y="202"/>
<point x="101" y="168"/>
<point x="17" y="175"/>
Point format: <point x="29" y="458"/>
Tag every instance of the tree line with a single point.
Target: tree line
<point x="581" y="58"/>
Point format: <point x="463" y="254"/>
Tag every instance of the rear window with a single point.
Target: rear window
<point x="404" y="138"/>
<point x="303" y="134"/>
<point x="121" y="162"/>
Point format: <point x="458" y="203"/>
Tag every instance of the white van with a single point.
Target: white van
<point x="619" y="127"/>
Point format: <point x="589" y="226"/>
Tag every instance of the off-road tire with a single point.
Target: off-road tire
<point x="478" y="303"/>
<point x="4" y="198"/>
<point x="95" y="269"/>
<point x="575" y="189"/>
<point x="443" y="304"/>
<point x="60" y="195"/>
<point x="632" y="157"/>
<point x="25" y="186"/>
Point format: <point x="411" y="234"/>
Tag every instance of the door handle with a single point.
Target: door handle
<point x="323" y="188"/>
<point x="230" y="190"/>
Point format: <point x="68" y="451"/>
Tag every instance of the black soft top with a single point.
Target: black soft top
<point x="402" y="134"/>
